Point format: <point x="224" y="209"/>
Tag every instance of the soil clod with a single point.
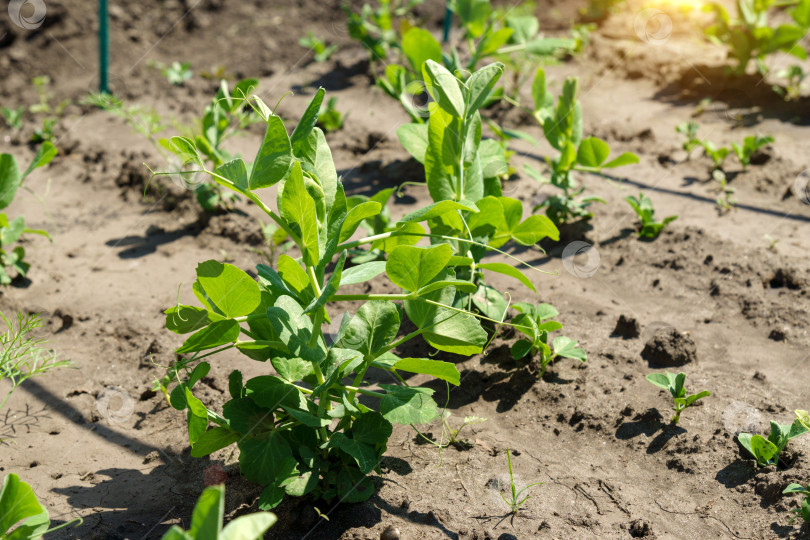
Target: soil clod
<point x="669" y="347"/>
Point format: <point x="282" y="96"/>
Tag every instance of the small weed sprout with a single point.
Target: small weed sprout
<point x="643" y="207"/>
<point x="514" y="502"/>
<point x="177" y="73"/>
<point x="804" y="509"/>
<point x="320" y="49"/>
<point x="767" y="451"/>
<point x="23" y="356"/>
<point x="146" y="122"/>
<point x="674" y="383"/>
<point x="452" y="435"/>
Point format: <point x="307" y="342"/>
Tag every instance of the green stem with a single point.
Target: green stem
<point x="349" y="297"/>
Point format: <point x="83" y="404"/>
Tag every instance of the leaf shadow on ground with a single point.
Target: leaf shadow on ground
<point x="373" y="176"/>
<point x="648" y="424"/>
<point x="339" y="77"/>
<point x="154" y="237"/>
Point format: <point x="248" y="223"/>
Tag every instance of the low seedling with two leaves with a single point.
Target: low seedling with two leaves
<point x="767" y="451"/>
<point x="12" y="259"/>
<point x="674" y="384"/>
<point x="562" y="126"/>
<point x="535" y="322"/>
<point x="643" y="207"/>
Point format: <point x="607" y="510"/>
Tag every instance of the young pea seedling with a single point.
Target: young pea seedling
<point x="514" y="501"/>
<point x="329" y="118"/>
<point x="535" y="322"/>
<point x="725" y="201"/>
<point x="795" y="76"/>
<point x="804" y="509"/>
<point x="748" y="148"/>
<point x="718" y="155"/>
<point x="320" y="49"/>
<point x="674" y="383"/>
<point x="689" y="130"/>
<point x="767" y="451"/>
<point x="643" y="207"/>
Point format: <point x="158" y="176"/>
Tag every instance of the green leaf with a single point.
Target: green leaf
<point x="371" y="428"/>
<point x="443" y="87"/>
<point x="298" y="209"/>
<point x="445" y="371"/>
<point x="521" y="348"/>
<point x="353" y="486"/>
<point x="414" y="138"/>
<point x="213" y="440"/>
<point x="10" y="179"/>
<point x="249" y="527"/>
<point x="508" y="270"/>
<point x="230" y="289"/>
<point x="364" y="455"/>
<point x="481" y="83"/>
<point x="236" y="172"/>
<point x="567" y="348"/>
<point x="17" y="503"/>
<point x="592" y="152"/>
<point x="264" y="459"/>
<point x="272" y="392"/>
<point x="206" y="520"/>
<point x="408" y="405"/>
<point x="438" y="209"/>
<point x="294" y="328"/>
<point x="445" y="329"/>
<point x="330" y="288"/>
<point x="457" y="284"/>
<point x="373" y="327"/>
<point x="274" y="158"/>
<point x="794" y="488"/>
<point x="214" y="335"/>
<point x="659" y="379"/>
<point x="356" y="215"/>
<point x="626" y="158"/>
<point x="411" y="268"/>
<point x="362" y="272"/>
<point x="420" y="46"/>
<point x="307" y="122"/>
<point x="44" y="155"/>
<point x="184" y="319"/>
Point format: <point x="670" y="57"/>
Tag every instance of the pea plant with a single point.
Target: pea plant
<point x="12" y="259"/>
<point x="689" y="131"/>
<point x="20" y="507"/>
<point x="749" y="147"/>
<point x="304" y="430"/>
<point x="749" y="36"/>
<point x="643" y="207"/>
<point x="321" y="51"/>
<point x="767" y="451"/>
<point x="514" y="39"/>
<point x="207" y="518"/>
<point x="536" y="322"/>
<point x="674" y="384"/>
<point x="804" y="509"/>
<point x="562" y="126"/>
<point x="795" y="76"/>
<point x="176" y="73"/>
<point x="330" y="119"/>
<point x="375" y="27"/>
<point x="463" y="169"/>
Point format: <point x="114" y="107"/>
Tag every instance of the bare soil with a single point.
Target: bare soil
<point x="96" y="441"/>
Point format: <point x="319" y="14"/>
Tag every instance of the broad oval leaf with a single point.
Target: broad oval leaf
<point x="232" y="291"/>
<point x="214" y="335"/>
<point x="275" y="156"/>
<point x="445" y="371"/>
<point x="443" y="87"/>
<point x="412" y="267"/>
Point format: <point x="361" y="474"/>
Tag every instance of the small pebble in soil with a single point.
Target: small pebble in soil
<point x="390" y="533"/>
<point x="668" y="348"/>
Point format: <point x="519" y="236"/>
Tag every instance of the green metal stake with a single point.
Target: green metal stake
<point x="448" y="22"/>
<point x="103" y="48"/>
